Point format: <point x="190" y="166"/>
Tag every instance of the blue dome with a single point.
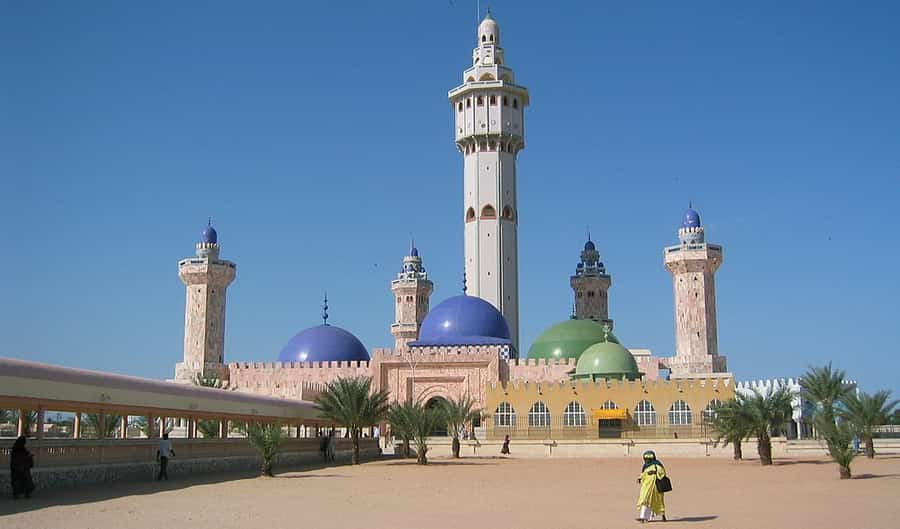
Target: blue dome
<point x="464" y="320"/>
<point x="589" y="246"/>
<point x="209" y="235"/>
<point x="325" y="343"/>
<point x="691" y="219"/>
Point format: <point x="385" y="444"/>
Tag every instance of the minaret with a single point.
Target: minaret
<point x="590" y="285"/>
<point x="693" y="264"/>
<point x="490" y="131"/>
<point x="206" y="279"/>
<point x="412" y="290"/>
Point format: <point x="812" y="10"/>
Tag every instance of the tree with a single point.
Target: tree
<point x="731" y="422"/>
<point x="266" y="439"/>
<point x="838" y="437"/>
<point x="765" y="413"/>
<point x="110" y="423"/>
<point x="865" y="412"/>
<point x="399" y="417"/>
<point x="458" y="413"/>
<point x="825" y="387"/>
<point x="424" y="420"/>
<point x="209" y="428"/>
<point x="351" y="403"/>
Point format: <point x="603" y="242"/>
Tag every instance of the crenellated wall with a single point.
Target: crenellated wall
<point x="294" y="380"/>
<point x="540" y="369"/>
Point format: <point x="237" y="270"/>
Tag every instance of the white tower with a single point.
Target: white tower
<point x="490" y="131"/>
<point x="412" y="289"/>
<point x="206" y="279"/>
<point x="693" y="264"/>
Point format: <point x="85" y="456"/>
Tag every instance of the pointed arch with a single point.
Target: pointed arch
<point x="573" y="415"/>
<point x="488" y="212"/>
<point x="680" y="414"/>
<point x="505" y="415"/>
<point x="470" y="214"/>
<point x="644" y="413"/>
<point x="539" y="415"/>
<point x="508" y="213"/>
<point x="487" y="77"/>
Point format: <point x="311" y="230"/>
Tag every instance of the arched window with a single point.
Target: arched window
<point x="488" y="212"/>
<point x="709" y="414"/>
<point x="515" y="103"/>
<point x="680" y="413"/>
<point x="505" y="101"/>
<point x="483" y="38"/>
<point x="573" y="415"/>
<point x="470" y="214"/>
<point x="492" y="38"/>
<point x="480" y="101"/>
<point x="505" y="415"/>
<point x="609" y="405"/>
<point x="492" y="101"/>
<point x="468" y="102"/>
<point x="507" y="213"/>
<point x="487" y="77"/>
<point x="470" y="79"/>
<point x="644" y="413"/>
<point x="459" y="106"/>
<point x="539" y="416"/>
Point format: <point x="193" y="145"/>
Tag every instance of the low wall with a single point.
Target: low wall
<point x="604" y="448"/>
<point x="75" y="463"/>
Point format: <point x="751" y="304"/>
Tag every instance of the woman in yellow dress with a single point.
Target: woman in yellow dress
<point x="651" y="501"/>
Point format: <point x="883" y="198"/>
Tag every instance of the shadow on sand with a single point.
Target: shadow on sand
<point x="694" y="518"/>
<point x="120" y="489"/>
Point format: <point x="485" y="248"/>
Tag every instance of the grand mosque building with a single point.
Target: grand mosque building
<point x="576" y="377"/>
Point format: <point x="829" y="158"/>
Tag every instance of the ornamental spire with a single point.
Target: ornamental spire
<point x="325" y="310"/>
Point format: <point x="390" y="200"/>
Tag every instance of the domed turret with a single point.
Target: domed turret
<point x="607" y="360"/>
<point x="568" y="339"/>
<point x="691" y="230"/>
<point x="489" y="31"/>
<point x="464" y="320"/>
<point x="691" y="219"/>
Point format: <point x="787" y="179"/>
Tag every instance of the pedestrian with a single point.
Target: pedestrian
<point x="855" y="444"/>
<point x="332" y="442"/>
<point x="651" y="501"/>
<point x="505" y="449"/>
<point x="20" y="463"/>
<point x="323" y="447"/>
<point x="162" y="456"/>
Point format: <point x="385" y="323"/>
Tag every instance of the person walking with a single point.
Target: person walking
<point x="20" y="463"/>
<point x="162" y="456"/>
<point x="505" y="449"/>
<point x="651" y="501"/>
<point x="323" y="447"/>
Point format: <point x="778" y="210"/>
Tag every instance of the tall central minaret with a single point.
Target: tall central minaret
<point x="490" y="131"/>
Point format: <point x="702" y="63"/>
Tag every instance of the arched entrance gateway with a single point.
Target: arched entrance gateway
<point x="435" y="403"/>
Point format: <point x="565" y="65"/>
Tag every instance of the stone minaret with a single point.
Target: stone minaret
<point x="412" y="290"/>
<point x="206" y="279"/>
<point x="490" y="131"/>
<point x="693" y="264"/>
<point x="590" y="285"/>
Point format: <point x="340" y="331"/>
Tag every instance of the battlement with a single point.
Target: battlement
<point x="542" y="362"/>
<point x="255" y="366"/>
<point x="586" y="384"/>
<point x="774" y="383"/>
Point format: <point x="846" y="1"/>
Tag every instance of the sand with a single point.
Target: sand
<point x="484" y="492"/>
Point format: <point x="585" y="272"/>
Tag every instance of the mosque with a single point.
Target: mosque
<point x="576" y="380"/>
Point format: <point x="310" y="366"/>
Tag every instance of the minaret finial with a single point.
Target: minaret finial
<point x="464" y="283"/>
<point x="589" y="232"/>
<point x="690" y="204"/>
<point x="209" y="221"/>
<point x="325" y="310"/>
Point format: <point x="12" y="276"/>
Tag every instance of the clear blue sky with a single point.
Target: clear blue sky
<point x="318" y="137"/>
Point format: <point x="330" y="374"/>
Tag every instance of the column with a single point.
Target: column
<point x="20" y="425"/>
<point x="223" y="428"/>
<point x="76" y="426"/>
<point x="39" y="427"/>
<point x="102" y="432"/>
<point x="151" y="427"/>
<point x="123" y="426"/>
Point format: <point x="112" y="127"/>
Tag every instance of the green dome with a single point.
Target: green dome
<point x="607" y="360"/>
<point x="568" y="339"/>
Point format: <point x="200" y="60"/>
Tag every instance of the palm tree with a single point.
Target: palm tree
<point x="766" y="413"/>
<point x="28" y="420"/>
<point x="865" y="412"/>
<point x="458" y="413"/>
<point x="351" y="403"/>
<point x="398" y="416"/>
<point x="266" y="439"/>
<point x="423" y="421"/>
<point x="110" y="423"/>
<point x="732" y="425"/>
<point x="825" y="387"/>
<point x="838" y="437"/>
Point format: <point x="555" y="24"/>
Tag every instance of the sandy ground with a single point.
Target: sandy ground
<point x="484" y="492"/>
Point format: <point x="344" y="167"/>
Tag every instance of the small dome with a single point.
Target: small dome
<point x="567" y="339"/>
<point x="489" y="31"/>
<point x="607" y="360"/>
<point x="589" y="246"/>
<point x="464" y="320"/>
<point x="691" y="219"/>
<point x="324" y="343"/>
<point x="209" y="235"/>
